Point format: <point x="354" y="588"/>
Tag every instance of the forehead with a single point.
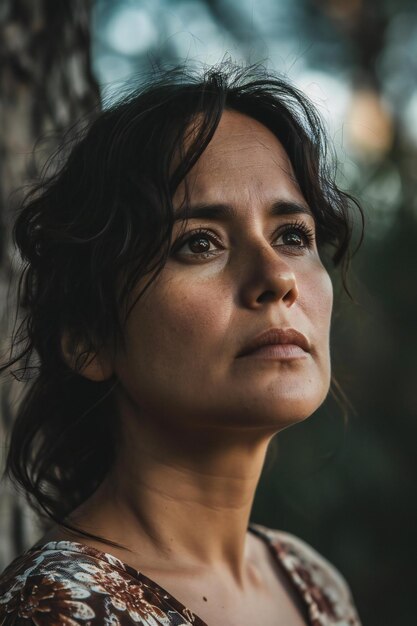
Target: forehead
<point x="243" y="160"/>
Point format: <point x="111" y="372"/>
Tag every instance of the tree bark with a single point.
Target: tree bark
<point x="46" y="85"/>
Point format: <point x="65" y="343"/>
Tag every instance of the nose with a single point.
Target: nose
<point x="267" y="278"/>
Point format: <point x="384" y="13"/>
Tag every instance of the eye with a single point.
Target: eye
<point x="298" y="235"/>
<point x="197" y="244"/>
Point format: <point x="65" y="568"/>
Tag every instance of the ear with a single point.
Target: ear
<point x="96" y="366"/>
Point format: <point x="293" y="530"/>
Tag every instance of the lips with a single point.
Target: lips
<point x="275" y="336"/>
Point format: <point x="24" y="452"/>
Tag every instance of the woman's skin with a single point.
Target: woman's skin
<point x="196" y="419"/>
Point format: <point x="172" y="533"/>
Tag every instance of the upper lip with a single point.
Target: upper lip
<point x="275" y="336"/>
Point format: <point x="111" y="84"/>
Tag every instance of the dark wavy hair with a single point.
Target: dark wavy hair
<point x="102" y="221"/>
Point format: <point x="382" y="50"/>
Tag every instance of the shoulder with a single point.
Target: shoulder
<point x="295" y="552"/>
<point x="318" y="579"/>
<point x="67" y="583"/>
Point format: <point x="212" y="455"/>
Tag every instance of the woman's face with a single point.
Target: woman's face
<point x="247" y="272"/>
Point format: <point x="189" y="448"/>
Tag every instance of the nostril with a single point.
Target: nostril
<point x="267" y="296"/>
<point x="291" y="296"/>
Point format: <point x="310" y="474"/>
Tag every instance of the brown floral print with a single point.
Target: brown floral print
<point x="51" y="602"/>
<point x="70" y="584"/>
<point x="66" y="583"/>
<point x="321" y="586"/>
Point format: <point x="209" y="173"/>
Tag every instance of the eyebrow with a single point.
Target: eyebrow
<point x="226" y="212"/>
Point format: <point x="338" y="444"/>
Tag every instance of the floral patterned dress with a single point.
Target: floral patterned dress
<point x="64" y="583"/>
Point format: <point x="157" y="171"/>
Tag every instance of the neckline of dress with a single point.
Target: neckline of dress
<point x="172" y="601"/>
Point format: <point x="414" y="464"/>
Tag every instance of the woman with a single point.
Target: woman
<point x="177" y="298"/>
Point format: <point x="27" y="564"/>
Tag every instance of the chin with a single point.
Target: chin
<point x="272" y="416"/>
<point x="284" y="407"/>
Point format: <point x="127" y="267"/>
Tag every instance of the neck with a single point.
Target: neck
<point x="183" y="498"/>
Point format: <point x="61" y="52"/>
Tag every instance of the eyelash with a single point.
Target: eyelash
<point x="307" y="232"/>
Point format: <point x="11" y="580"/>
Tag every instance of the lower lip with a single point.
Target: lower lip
<point x="281" y="351"/>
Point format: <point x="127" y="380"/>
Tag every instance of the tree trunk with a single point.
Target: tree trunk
<point x="46" y="84"/>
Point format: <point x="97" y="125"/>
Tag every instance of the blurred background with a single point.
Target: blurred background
<point x="346" y="489"/>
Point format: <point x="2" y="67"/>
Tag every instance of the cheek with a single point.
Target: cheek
<point x="192" y="313"/>
<point x="321" y="305"/>
<point x="172" y="337"/>
<point x="316" y="302"/>
<point x="174" y="326"/>
<point x="316" y="297"/>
